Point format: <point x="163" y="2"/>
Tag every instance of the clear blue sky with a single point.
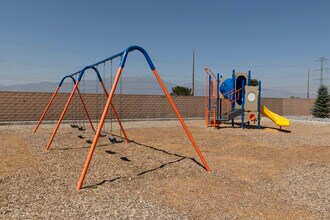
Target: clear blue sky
<point x="276" y="40"/>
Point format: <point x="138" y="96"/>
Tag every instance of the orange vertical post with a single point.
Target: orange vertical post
<point x="62" y="116"/>
<point x="214" y="118"/>
<point x="87" y="114"/>
<point x="193" y="142"/>
<point x="99" y="129"/>
<point x="206" y="117"/>
<point x="115" y="113"/>
<point x="119" y="122"/>
<point x="46" y="109"/>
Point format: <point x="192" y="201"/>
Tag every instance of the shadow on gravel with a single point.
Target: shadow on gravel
<point x="166" y="152"/>
<point x="266" y="127"/>
<point x="75" y="148"/>
<point x="101" y="183"/>
<point x="181" y="158"/>
<point x="125" y="159"/>
<point x="161" y="166"/>
<point x="110" y="152"/>
<point x="253" y="126"/>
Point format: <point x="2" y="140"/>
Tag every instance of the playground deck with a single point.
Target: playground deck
<point x="256" y="174"/>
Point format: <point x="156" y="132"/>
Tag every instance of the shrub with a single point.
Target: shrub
<point x="180" y="90"/>
<point x="321" y="107"/>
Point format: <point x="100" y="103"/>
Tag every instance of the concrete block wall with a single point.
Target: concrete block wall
<point x="28" y="106"/>
<point x="304" y="106"/>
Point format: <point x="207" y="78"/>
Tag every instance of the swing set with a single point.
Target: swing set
<point x="76" y="88"/>
<point x="123" y="57"/>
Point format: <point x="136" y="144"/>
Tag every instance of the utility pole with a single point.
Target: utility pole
<point x="308" y="81"/>
<point x="322" y="60"/>
<point x="193" y="73"/>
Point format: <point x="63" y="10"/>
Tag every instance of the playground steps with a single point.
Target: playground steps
<point x="232" y="114"/>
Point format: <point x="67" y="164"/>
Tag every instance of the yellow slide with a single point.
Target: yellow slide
<point x="279" y="120"/>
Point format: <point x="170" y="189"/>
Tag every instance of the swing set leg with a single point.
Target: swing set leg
<point x="119" y="122"/>
<point x="65" y="110"/>
<point x="192" y="140"/>
<point x="99" y="128"/>
<point x="83" y="103"/>
<point x="46" y="109"/>
<point x="62" y="116"/>
<point x="115" y="113"/>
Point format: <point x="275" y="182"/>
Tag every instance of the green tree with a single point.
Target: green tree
<point x="321" y="107"/>
<point x="180" y="90"/>
<point x="254" y="82"/>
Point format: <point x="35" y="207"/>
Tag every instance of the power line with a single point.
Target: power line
<point x="322" y="61"/>
<point x="47" y="47"/>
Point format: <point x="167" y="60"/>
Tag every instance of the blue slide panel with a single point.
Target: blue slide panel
<point x="225" y="87"/>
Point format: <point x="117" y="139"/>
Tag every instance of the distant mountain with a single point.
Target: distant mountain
<point x="129" y="85"/>
<point x="134" y="85"/>
<point x="33" y="87"/>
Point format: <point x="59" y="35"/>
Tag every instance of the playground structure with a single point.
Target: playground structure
<point x="227" y="99"/>
<point x="123" y="57"/>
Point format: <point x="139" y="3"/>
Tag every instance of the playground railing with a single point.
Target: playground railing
<point x="211" y="113"/>
<point x="210" y="92"/>
<point x="232" y="92"/>
<point x="209" y="72"/>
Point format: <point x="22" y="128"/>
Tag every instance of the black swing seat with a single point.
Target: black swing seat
<point x="113" y="140"/>
<point x="89" y="141"/>
<point x="80" y="136"/>
<point x="74" y="126"/>
<point x="81" y="128"/>
<point x="102" y="135"/>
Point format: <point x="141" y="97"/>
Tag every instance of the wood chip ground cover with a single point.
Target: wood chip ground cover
<point x="256" y="174"/>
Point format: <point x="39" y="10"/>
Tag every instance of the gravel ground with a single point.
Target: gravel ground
<point x="309" y="119"/>
<point x="256" y="174"/>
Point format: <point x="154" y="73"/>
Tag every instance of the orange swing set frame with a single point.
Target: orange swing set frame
<point x="108" y="104"/>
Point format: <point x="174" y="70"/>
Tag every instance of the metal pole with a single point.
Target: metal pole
<point x="259" y="103"/>
<point x="218" y="97"/>
<point x="220" y="105"/>
<point x="99" y="128"/>
<point x="308" y="82"/>
<point x="193" y="73"/>
<point x="243" y="102"/>
<point x="46" y="109"/>
<point x="209" y="99"/>
<point x="62" y="115"/>
<point x="322" y="61"/>
<point x="233" y="101"/>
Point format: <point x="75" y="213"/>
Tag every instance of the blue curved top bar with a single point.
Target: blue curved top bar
<point x="123" y="54"/>
<point x="90" y="67"/>
<point x="102" y="61"/>
<point x="68" y="76"/>
<point x="132" y="48"/>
